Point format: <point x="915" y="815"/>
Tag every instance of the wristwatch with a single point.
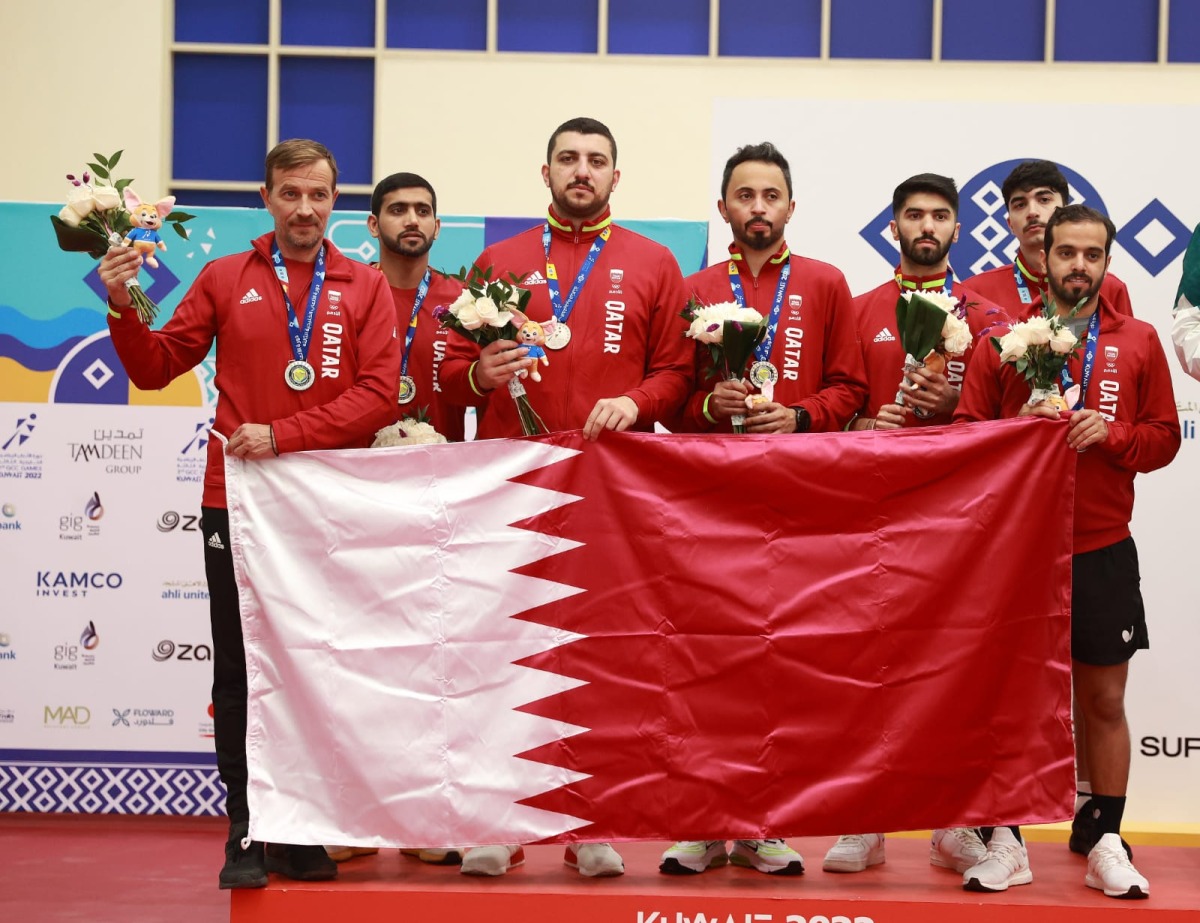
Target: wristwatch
<point x="803" y="420"/>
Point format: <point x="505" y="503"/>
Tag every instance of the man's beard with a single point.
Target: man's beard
<point x="767" y="239"/>
<point x="563" y="205"/>
<point x="402" y="247"/>
<point x="1064" y="293"/>
<point x="923" y="257"/>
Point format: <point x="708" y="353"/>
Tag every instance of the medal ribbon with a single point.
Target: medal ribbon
<point x="763" y="350"/>
<point x="563" y="310"/>
<point x="1020" y="273"/>
<point x="410" y="335"/>
<point x="1089" y="360"/>
<point x="300" y="337"/>
<point x="946" y="283"/>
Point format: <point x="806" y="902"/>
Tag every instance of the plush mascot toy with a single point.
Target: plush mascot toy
<point x="532" y="336"/>
<point x="1185" y="331"/>
<point x="147" y="218"/>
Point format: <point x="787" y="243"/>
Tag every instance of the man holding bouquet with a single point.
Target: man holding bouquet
<point x="1031" y="193"/>
<point x="618" y="356"/>
<point x="805" y="375"/>
<point x="619" y="359"/>
<point x="808" y="355"/>
<point x="307" y="358"/>
<point x="1121" y="418"/>
<point x="925" y="224"/>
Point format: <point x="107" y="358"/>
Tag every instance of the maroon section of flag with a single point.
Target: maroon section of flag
<point x="817" y="634"/>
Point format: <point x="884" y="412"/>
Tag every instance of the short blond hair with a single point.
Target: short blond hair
<point x="298" y="152"/>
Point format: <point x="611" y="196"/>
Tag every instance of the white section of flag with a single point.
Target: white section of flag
<point x="376" y="599"/>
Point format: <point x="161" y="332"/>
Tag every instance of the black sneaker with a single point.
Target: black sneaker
<point x="1085" y="833"/>
<point x="301" y="863"/>
<point x="245" y="867"/>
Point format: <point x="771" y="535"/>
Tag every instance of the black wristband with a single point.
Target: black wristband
<point x="803" y="420"/>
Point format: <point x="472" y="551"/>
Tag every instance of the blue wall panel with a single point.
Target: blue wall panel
<point x="1106" y="30"/>
<point x="897" y="29"/>
<point x="333" y="101"/>
<point x="349" y="23"/>
<point x="524" y="25"/>
<point x="794" y="31"/>
<point x="1014" y="31"/>
<point x="457" y="25"/>
<point x="1183" y="36"/>
<point x="222" y="21"/>
<point x="664" y="27"/>
<point x="220" y="122"/>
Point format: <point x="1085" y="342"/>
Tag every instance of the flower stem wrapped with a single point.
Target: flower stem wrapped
<point x="731" y="334"/>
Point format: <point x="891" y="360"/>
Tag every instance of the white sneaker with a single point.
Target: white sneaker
<point x="1007" y="864"/>
<point x="342" y="853"/>
<point x="435" y="856"/>
<point x="594" y="860"/>
<point x="855" y="852"/>
<point x="691" y="857"/>
<point x="491" y="860"/>
<point x="1109" y="870"/>
<point x="958" y="848"/>
<point x="774" y="857"/>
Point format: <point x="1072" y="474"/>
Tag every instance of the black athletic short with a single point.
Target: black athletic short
<point x="1108" y="619"/>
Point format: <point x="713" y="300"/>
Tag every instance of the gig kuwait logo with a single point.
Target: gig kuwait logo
<point x="1153" y="237"/>
<point x="193" y="457"/>
<point x="74" y="526"/>
<point x="16" y="460"/>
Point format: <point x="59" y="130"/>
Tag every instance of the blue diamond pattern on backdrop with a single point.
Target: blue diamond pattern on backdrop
<point x="1154" y="214"/>
<point x="163" y="282"/>
<point x="98" y="788"/>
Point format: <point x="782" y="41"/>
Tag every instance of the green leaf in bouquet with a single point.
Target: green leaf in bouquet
<point x="98" y="170"/>
<point x="112" y="161"/>
<point x="101" y="158"/>
<point x="738" y="340"/>
<point x="180" y="231"/>
<point x="79" y="240"/>
<point x="179" y="217"/>
<point x="121" y="184"/>
<point x="920" y="324"/>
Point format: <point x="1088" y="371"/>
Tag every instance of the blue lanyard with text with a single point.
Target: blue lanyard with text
<point x="1019" y="276"/>
<point x="300" y="337"/>
<point x="1089" y="360"/>
<point x="763" y="350"/>
<point x="563" y="310"/>
<point x="422" y="291"/>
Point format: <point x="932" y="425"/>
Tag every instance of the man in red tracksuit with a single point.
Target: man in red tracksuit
<point x="618" y="356"/>
<point x="810" y="351"/>
<point x="404" y="220"/>
<point x="809" y="355"/>
<point x="1124" y="422"/>
<point x="925" y="223"/>
<point x="619" y="360"/>
<point x="307" y="358"/>
<point x="1031" y="193"/>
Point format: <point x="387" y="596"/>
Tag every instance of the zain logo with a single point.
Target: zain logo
<point x="199" y="437"/>
<point x="164" y="650"/>
<point x="89" y="639"/>
<point x="93" y="509"/>
<point x="25" y="427"/>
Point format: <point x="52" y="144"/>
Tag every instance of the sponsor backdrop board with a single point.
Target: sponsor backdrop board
<point x="1136" y="164"/>
<point x="105" y="667"/>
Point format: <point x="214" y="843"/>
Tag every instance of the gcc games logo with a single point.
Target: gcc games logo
<point x="193" y="457"/>
<point x="16" y="461"/>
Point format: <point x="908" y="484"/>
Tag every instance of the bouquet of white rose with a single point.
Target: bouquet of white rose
<point x="488" y="310"/>
<point x="1039" y="348"/>
<point x="95" y="218"/>
<point x="409" y="431"/>
<point x="731" y="333"/>
<point x="932" y="328"/>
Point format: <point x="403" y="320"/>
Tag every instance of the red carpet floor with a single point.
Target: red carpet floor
<point x="164" y="870"/>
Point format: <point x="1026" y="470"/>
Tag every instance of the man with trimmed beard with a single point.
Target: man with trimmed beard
<point x="1031" y="192"/>
<point x="307" y="358"/>
<point x="811" y="360"/>
<point x="925" y="224"/>
<point x="404" y="220"/>
<point x="809" y="353"/>
<point x="1123" y="422"/>
<point x="620" y="360"/>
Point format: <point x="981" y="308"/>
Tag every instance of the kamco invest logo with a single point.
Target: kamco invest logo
<point x="76" y="584"/>
<point x="1153" y="237"/>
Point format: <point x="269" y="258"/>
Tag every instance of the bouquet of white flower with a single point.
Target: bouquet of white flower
<point x="731" y="333"/>
<point x="1039" y="348"/>
<point x="489" y="310"/>
<point x="95" y="218"/>
<point x="409" y="431"/>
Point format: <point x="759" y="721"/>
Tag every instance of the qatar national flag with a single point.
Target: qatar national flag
<point x="658" y="636"/>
